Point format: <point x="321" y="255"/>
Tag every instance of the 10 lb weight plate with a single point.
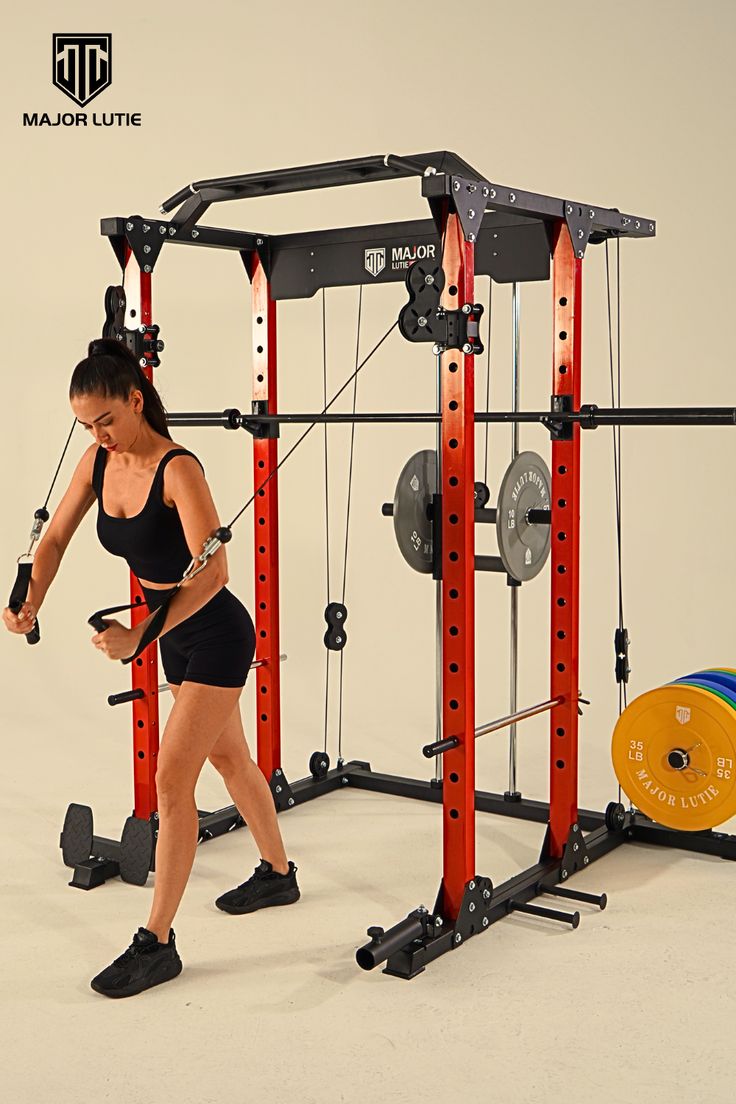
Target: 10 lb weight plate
<point x="674" y="752"/>
<point x="524" y="545"/>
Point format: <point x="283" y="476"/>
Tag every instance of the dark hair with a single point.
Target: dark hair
<point x="111" y="369"/>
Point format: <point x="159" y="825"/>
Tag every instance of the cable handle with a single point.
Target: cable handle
<point x="19" y="594"/>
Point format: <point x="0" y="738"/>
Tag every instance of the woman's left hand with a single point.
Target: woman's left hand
<point x="116" y="641"/>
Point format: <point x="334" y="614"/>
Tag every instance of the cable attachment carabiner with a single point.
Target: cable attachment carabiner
<point x="41" y="516"/>
<point x="211" y="544"/>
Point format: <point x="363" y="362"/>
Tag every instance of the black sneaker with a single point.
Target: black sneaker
<point x="266" y="887"/>
<point x="145" y="963"/>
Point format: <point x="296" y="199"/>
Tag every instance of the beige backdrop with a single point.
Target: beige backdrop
<point x="624" y="105"/>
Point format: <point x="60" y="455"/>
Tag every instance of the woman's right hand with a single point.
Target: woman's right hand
<point x="23" y="621"/>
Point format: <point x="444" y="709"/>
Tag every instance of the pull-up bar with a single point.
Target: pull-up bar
<point x="443" y="174"/>
<point x="330" y="174"/>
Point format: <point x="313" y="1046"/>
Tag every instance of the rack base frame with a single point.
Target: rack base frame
<point x="590" y="840"/>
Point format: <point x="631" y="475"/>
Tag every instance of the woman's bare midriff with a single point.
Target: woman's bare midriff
<point x="157" y="586"/>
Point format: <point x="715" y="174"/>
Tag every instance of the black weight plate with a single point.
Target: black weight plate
<point x="412" y="500"/>
<point x="524" y="548"/>
<point x="76" y="835"/>
<point x="136" y="851"/>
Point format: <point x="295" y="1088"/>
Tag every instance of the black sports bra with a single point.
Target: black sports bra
<point x="151" y="541"/>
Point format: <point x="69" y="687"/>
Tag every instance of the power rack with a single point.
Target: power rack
<point x="476" y="227"/>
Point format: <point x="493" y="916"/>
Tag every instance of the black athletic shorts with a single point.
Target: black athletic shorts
<point x="214" y="646"/>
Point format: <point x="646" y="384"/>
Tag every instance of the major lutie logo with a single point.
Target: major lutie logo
<point x="375" y="260"/>
<point x="82" y="65"/>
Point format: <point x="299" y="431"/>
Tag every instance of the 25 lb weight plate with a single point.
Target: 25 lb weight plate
<point x="412" y="499"/>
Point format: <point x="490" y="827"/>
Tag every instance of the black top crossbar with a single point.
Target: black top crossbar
<point x="330" y="174"/>
<point x="585" y="221"/>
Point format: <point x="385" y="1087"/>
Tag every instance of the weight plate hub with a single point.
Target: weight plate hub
<point x="412" y="501"/>
<point x="524" y="547"/>
<point x="674" y="753"/>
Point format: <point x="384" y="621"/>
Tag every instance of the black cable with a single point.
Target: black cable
<point x="616" y="403"/>
<point x="488" y="375"/>
<point x="309" y="429"/>
<point x="620" y="456"/>
<point x="327" y="508"/>
<point x="61" y="461"/>
<point x="347" y="515"/>
<point x="352" y="448"/>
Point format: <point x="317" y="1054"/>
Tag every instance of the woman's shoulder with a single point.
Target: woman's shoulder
<point x="180" y="457"/>
<point x="88" y="462"/>
<point x="183" y="476"/>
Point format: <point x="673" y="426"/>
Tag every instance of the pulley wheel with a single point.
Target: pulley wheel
<point x="674" y="753"/>
<point x="615" y="816"/>
<point x="319" y="764"/>
<point x="524" y="547"/>
<point x="412" y="501"/>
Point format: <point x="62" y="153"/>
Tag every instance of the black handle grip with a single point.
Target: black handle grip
<point x="98" y="622"/>
<point x="34" y="635"/>
<point x="126" y="696"/>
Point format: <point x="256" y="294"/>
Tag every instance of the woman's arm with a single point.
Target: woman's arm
<point x="66" y="519"/>
<point x="186" y="486"/>
<point x="75" y="503"/>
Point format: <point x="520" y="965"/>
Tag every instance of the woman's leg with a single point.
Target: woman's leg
<point x="249" y="790"/>
<point x="195" y="724"/>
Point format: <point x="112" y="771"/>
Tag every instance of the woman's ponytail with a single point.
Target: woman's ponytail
<point x="111" y="369"/>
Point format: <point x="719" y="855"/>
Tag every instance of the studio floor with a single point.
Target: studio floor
<point x="637" y="1002"/>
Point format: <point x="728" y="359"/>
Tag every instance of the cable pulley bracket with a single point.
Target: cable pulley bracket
<point x="144" y="344"/>
<point x="425" y="319"/>
<point x="461" y="329"/>
<point x="418" y="320"/>
<point x="621" y="645"/>
<point x="335" y="638"/>
<point x="143" y="341"/>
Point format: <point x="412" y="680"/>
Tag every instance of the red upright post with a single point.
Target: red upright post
<point x="458" y="580"/>
<point x="144" y="670"/>
<point x="266" y="529"/>
<point x="565" y="518"/>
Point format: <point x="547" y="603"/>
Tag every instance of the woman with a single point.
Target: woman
<point x="155" y="510"/>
